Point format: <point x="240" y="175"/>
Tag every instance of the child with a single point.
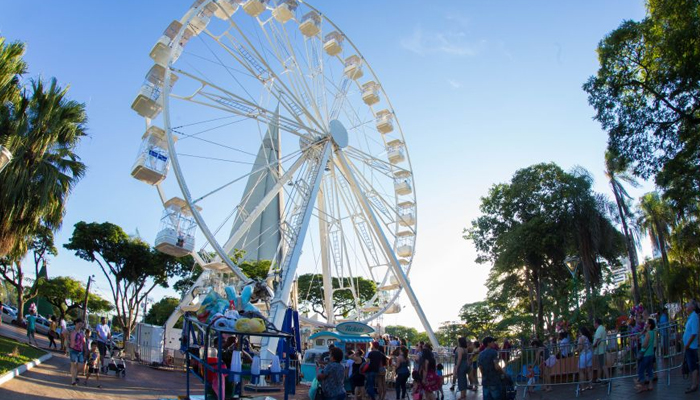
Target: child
<point x="530" y="378"/>
<point x="416" y="389"/>
<point x="438" y="370"/>
<point x="93" y="364"/>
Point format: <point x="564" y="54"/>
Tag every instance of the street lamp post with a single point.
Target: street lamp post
<point x="572" y="263"/>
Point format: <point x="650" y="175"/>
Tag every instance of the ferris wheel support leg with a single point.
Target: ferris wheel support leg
<point x="280" y="302"/>
<point x="386" y="246"/>
<point x="325" y="255"/>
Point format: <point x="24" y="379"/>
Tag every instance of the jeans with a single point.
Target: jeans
<point x="401" y="380"/>
<point x="492" y="392"/>
<point x="369" y="384"/>
<point x="645" y="365"/>
<point x="338" y="397"/>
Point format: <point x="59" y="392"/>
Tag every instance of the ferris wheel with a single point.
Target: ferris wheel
<point x="282" y="143"/>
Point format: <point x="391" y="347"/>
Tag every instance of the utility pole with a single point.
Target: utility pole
<point x="87" y="293"/>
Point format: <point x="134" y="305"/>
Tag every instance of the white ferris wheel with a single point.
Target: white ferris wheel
<point x="282" y="143"/>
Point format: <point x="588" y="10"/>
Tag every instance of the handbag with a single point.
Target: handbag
<point x="364" y="367"/>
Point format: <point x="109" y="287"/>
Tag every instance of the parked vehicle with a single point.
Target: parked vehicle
<point x="9" y="316"/>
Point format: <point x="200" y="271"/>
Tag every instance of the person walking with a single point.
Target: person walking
<point x="375" y="359"/>
<point x="646" y="360"/>
<point x="490" y="370"/>
<point x="333" y="376"/>
<point x="104" y="334"/>
<point x="462" y="367"/>
<point x="76" y="345"/>
<point x="690" y="343"/>
<point x="31" y="326"/>
<point x="62" y="334"/>
<point x="600" y="343"/>
<point x="52" y="332"/>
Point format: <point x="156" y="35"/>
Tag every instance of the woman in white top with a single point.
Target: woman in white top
<point x="585" y="357"/>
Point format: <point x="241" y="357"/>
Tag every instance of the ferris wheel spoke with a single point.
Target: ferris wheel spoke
<point x="246" y="54"/>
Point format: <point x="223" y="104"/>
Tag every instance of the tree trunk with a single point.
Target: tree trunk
<point x="540" y="309"/>
<point x="631" y="249"/>
<point x="20" y="301"/>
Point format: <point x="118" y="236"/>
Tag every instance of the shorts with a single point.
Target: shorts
<point x="77" y="356"/>
<point x="691" y="358"/>
<point x="601" y="360"/>
<point x="30" y="333"/>
<point x="93" y="370"/>
<point x="585" y="360"/>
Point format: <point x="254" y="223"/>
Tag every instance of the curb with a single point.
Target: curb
<point x="23" y="368"/>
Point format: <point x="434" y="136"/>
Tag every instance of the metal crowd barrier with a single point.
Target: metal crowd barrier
<point x="533" y="368"/>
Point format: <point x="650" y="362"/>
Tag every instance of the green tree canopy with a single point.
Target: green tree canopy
<point x="132" y="268"/>
<point x="311" y="293"/>
<point x="66" y="294"/>
<point x="161" y="311"/>
<point x="402" y="332"/>
<point x="646" y="95"/>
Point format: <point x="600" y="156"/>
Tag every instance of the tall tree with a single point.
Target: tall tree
<point x="656" y="220"/>
<point x="42" y="130"/>
<point x="311" y="293"/>
<point x="616" y="170"/>
<point x="12" y="270"/>
<point x="646" y="94"/>
<point x="161" y="311"/>
<point x="66" y="294"/>
<point x="132" y="268"/>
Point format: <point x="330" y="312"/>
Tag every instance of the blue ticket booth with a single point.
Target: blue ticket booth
<point x="347" y="336"/>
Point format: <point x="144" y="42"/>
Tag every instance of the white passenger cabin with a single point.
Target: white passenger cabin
<point x="161" y="50"/>
<point x="215" y="266"/>
<point x="395" y="151"/>
<point x="393" y="309"/>
<point x="254" y="7"/>
<point x="310" y="24"/>
<point x="5" y="157"/>
<point x="153" y="160"/>
<point x="285" y="10"/>
<point x="353" y="67"/>
<point x="177" y="228"/>
<point x="201" y="19"/>
<point x="391" y="284"/>
<point x="371" y="308"/>
<point x="407" y="213"/>
<point x="385" y="121"/>
<point x="147" y="103"/>
<point x="333" y="43"/>
<point x="226" y="8"/>
<point x="402" y="182"/>
<point x="370" y="93"/>
<point x="405" y="240"/>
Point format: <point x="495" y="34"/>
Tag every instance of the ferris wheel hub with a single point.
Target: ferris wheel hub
<point x="338" y="133"/>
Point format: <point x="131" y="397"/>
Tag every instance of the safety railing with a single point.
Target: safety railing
<point x="567" y="364"/>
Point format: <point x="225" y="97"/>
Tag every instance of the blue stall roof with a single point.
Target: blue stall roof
<point x="342" y="338"/>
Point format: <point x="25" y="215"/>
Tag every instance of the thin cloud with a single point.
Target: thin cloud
<point x="452" y="43"/>
<point x="455" y="84"/>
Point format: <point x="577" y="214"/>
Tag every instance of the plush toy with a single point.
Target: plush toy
<point x="250" y="325"/>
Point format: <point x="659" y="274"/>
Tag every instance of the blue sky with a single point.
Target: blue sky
<point x="482" y="88"/>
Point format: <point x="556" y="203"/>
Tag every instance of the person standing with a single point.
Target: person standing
<point x="690" y="343"/>
<point x="490" y="370"/>
<point x="375" y="358"/>
<point x="600" y="343"/>
<point x="402" y="373"/>
<point x="357" y="378"/>
<point x="663" y="330"/>
<point x="62" y="334"/>
<point x="646" y="361"/>
<point x="332" y="377"/>
<point x="76" y="346"/>
<point x="430" y="382"/>
<point x="585" y="357"/>
<point x="2" y="311"/>
<point x="31" y="327"/>
<point x="104" y="334"/>
<point x="463" y="365"/>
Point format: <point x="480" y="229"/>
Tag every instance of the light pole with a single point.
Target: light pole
<point x="572" y="265"/>
<point x="87" y="294"/>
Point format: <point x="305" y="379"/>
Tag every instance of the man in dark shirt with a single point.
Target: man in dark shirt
<point x="376" y="360"/>
<point x="490" y="370"/>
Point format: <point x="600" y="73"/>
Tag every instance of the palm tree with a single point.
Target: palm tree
<point x="42" y="129"/>
<point x="656" y="219"/>
<point x="11" y="67"/>
<point x="617" y="172"/>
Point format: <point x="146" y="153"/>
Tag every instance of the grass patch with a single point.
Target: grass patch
<point x="13" y="354"/>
